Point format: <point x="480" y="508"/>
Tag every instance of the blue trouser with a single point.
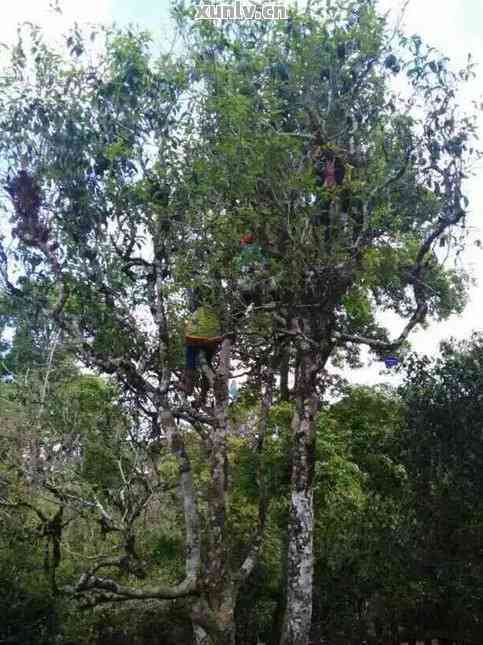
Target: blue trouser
<point x="192" y="354"/>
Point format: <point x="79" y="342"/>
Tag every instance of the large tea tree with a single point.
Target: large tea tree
<point x="285" y="112"/>
<point x="335" y="142"/>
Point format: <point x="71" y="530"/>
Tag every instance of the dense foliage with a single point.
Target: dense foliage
<point x="390" y="556"/>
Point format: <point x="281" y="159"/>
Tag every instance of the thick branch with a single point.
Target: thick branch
<point x="163" y="592"/>
<point x="376" y="343"/>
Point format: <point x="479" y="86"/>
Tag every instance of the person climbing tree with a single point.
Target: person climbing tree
<point x="202" y="335"/>
<point x="333" y="172"/>
<point x="251" y="264"/>
<point x="333" y="175"/>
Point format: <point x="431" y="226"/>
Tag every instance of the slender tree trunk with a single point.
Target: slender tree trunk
<point x="300" y="562"/>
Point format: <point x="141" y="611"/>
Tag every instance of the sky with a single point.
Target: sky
<point x="453" y="26"/>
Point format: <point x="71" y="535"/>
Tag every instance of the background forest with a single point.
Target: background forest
<point x="291" y="182"/>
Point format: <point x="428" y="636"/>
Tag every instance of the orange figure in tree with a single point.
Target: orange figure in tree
<point x="329" y="175"/>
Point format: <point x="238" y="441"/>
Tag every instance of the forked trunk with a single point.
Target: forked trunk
<point x="214" y="613"/>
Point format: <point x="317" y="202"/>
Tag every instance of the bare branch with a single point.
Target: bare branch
<point x="192" y="416"/>
<point x="376" y="343"/>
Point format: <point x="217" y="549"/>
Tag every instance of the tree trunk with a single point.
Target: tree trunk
<point x="226" y="633"/>
<point x="214" y="627"/>
<point x="200" y="636"/>
<point x="298" y="613"/>
<point x="300" y="561"/>
<point x="215" y="610"/>
<point x="216" y="635"/>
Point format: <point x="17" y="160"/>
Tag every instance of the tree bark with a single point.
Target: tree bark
<point x="217" y="636"/>
<point x="214" y="612"/>
<point x="200" y="636"/>
<point x="300" y="561"/>
<point x="214" y="626"/>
